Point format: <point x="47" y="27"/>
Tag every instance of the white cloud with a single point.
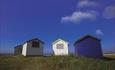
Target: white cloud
<point x="87" y="3"/>
<point x="79" y="16"/>
<point x="109" y="12"/>
<point x="99" y="32"/>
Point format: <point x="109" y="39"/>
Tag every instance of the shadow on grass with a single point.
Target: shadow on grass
<point x="108" y="58"/>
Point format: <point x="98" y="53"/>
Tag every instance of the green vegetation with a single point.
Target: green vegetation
<point x="54" y="63"/>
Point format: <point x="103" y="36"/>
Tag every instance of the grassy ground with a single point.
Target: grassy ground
<point x="54" y="63"/>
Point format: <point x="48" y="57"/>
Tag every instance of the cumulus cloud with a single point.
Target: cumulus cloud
<point x="87" y="3"/>
<point x="99" y="32"/>
<point x="109" y="12"/>
<point x="79" y="16"/>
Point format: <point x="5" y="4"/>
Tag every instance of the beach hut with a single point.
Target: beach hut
<point x="18" y="50"/>
<point x="60" y="47"/>
<point x="33" y="47"/>
<point x="88" y="46"/>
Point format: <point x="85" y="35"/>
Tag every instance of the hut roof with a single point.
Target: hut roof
<point x="18" y="46"/>
<point x="35" y="39"/>
<point x="85" y="37"/>
<point x="58" y="40"/>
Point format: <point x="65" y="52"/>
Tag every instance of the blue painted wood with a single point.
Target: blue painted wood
<point x="89" y="47"/>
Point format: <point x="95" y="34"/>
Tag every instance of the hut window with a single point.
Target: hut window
<point x="60" y="46"/>
<point x="35" y="44"/>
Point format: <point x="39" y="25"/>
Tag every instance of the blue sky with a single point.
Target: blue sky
<point x="48" y="20"/>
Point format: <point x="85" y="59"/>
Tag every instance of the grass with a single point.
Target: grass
<point x="54" y="63"/>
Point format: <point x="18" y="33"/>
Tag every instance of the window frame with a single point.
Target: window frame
<point x="60" y="46"/>
<point x="35" y="44"/>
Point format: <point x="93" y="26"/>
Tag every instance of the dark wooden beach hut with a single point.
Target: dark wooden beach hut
<point x="88" y="46"/>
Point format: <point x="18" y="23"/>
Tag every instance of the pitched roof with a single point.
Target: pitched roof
<point x="35" y="39"/>
<point x="18" y="46"/>
<point x="85" y="37"/>
<point x="58" y="40"/>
